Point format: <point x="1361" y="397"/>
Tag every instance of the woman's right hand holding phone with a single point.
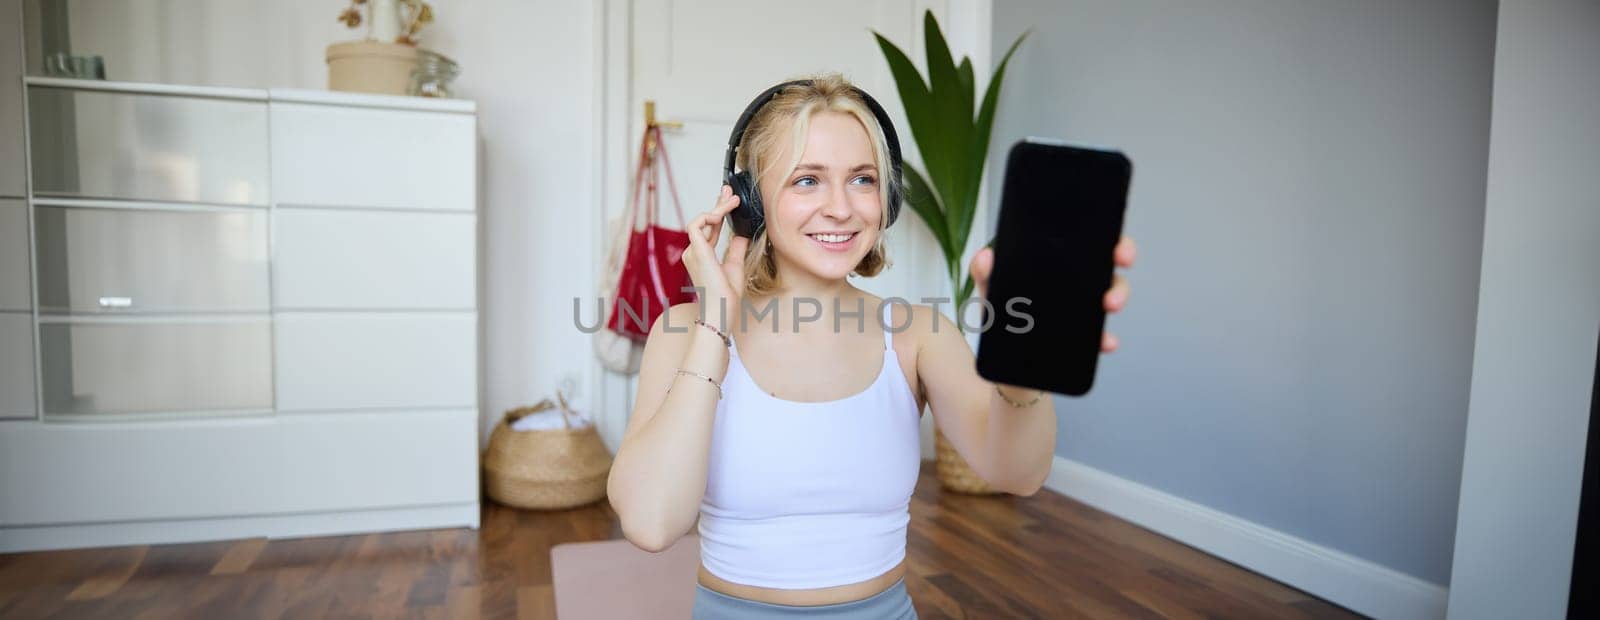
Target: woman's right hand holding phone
<point x="721" y="282"/>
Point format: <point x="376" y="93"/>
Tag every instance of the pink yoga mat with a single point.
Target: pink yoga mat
<point x="614" y="579"/>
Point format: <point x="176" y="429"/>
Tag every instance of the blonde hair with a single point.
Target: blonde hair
<point x="791" y="110"/>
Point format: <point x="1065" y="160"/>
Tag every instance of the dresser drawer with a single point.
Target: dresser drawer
<point x="326" y="156"/>
<point x="147" y="260"/>
<point x="133" y="146"/>
<point x="16" y="365"/>
<point x="156" y="366"/>
<point x="86" y="473"/>
<point x="329" y="361"/>
<point x="358" y="259"/>
<point x="16" y="284"/>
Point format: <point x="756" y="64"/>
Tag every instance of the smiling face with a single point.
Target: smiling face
<point x="827" y="214"/>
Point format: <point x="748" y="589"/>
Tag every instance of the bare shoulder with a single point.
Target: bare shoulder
<point x="919" y="332"/>
<point x="917" y="324"/>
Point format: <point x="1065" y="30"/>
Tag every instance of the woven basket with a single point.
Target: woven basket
<point x="953" y="472"/>
<point x="545" y="469"/>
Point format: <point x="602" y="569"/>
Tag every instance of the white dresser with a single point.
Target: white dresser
<point x="231" y="313"/>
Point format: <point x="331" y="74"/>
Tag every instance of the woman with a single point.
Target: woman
<point x="794" y="437"/>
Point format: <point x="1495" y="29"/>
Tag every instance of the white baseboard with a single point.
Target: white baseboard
<point x="1349" y="581"/>
<point x="14" y="539"/>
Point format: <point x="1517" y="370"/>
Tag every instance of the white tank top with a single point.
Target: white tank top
<point x="803" y="495"/>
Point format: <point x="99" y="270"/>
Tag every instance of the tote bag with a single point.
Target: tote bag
<point x="644" y="272"/>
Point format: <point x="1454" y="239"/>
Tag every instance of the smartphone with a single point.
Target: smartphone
<point x="1061" y="211"/>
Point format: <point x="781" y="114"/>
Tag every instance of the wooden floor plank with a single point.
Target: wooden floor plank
<point x="239" y="557"/>
<point x="107" y="583"/>
<point x="536" y="602"/>
<point x="1045" y="556"/>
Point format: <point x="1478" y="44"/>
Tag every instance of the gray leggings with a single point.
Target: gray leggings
<point x="891" y="604"/>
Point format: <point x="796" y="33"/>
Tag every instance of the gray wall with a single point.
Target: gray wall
<point x="1308" y="199"/>
<point x="1538" y="313"/>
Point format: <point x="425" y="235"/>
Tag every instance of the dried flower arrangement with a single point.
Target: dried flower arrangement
<point x="351" y="16"/>
<point x="418" y="14"/>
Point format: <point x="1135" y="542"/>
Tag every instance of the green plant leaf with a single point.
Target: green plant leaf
<point x="952" y="141"/>
<point x="966" y="289"/>
<point x="949" y="164"/>
<point x="965" y="72"/>
<point x="926" y="204"/>
<point x="944" y="79"/>
<point x="980" y="149"/>
<point x="914" y="94"/>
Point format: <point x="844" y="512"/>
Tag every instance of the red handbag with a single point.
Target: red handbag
<point x="653" y="276"/>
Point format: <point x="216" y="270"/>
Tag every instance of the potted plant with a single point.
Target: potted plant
<point x="954" y="144"/>
<point x="382" y="61"/>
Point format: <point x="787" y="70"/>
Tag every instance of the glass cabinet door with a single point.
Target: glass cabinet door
<point x="156" y="366"/>
<point x="16" y="365"/>
<point x="16" y="285"/>
<point x="12" y="162"/>
<point x="125" y="261"/>
<point x="140" y="146"/>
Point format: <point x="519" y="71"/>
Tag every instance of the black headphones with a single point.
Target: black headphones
<point x="749" y="217"/>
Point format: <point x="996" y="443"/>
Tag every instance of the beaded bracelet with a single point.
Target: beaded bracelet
<point x="1015" y="403"/>
<point x="726" y="341"/>
<point x="696" y="374"/>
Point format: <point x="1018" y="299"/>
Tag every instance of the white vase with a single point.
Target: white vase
<point x="383" y="20"/>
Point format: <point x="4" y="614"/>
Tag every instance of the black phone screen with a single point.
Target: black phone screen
<point x="1061" y="212"/>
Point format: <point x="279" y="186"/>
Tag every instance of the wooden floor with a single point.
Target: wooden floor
<point x="1044" y="556"/>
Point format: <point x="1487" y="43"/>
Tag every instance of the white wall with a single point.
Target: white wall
<point x="533" y="69"/>
<point x="1308" y="198"/>
<point x="536" y="85"/>
<point x="1538" y="312"/>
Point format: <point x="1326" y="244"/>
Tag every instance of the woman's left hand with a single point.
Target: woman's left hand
<point x="1115" y="299"/>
